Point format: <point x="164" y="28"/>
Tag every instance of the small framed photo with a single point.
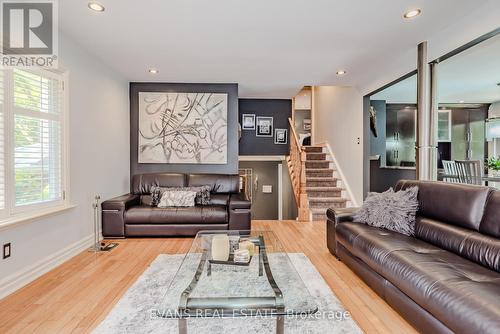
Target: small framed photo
<point x="307" y="124"/>
<point x="248" y="122"/>
<point x="281" y="136"/>
<point x="264" y="126"/>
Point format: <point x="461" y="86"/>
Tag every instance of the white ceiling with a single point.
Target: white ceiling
<point x="271" y="48"/>
<point x="469" y="77"/>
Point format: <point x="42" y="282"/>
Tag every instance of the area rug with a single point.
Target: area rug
<point x="135" y="311"/>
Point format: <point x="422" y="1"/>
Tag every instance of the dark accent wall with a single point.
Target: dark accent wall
<point x="280" y="110"/>
<point x="232" y="127"/>
<point x="377" y="144"/>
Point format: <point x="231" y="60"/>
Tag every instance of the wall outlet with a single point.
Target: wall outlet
<point x="6" y="250"/>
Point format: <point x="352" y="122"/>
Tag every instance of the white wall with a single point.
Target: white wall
<point x="338" y="121"/>
<point x="99" y="164"/>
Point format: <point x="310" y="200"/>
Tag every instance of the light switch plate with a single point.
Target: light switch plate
<point x="267" y="189"/>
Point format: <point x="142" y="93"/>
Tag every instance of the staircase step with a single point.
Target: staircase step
<point x="318" y="164"/>
<point x="315" y="156"/>
<point x="327" y="202"/>
<point x="313" y="149"/>
<point x="319" y="172"/>
<point x="319" y="214"/>
<point x="324" y="191"/>
<point x="321" y="182"/>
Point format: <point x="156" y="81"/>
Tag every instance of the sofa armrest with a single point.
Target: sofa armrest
<point x="113" y="220"/>
<point x="239" y="201"/>
<point x="239" y="212"/>
<point x="334" y="217"/>
<point x="121" y="202"/>
<point x="341" y="215"/>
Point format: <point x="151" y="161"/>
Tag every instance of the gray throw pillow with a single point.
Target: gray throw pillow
<point x="394" y="211"/>
<point x="202" y="194"/>
<point x="177" y="198"/>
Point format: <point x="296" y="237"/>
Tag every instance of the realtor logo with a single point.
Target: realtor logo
<point x="29" y="31"/>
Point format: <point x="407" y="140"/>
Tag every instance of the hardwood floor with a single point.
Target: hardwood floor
<point x="76" y="296"/>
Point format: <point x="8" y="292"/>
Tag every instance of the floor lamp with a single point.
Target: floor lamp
<point x="98" y="245"/>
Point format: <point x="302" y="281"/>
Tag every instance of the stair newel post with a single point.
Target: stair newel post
<point x="304" y="214"/>
<point x="297" y="168"/>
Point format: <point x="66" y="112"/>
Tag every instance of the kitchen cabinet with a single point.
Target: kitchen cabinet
<point x="444" y="126"/>
<point x="400" y="132"/>
<point x="468" y="134"/>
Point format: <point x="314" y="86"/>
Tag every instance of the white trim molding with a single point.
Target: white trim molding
<point x="262" y="158"/>
<point x="27" y="275"/>
<point x="351" y="198"/>
<point x="32" y="216"/>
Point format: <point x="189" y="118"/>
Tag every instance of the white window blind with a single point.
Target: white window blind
<point x="38" y="146"/>
<point x="32" y="155"/>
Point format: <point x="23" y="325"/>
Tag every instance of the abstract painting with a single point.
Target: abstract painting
<point x="182" y="128"/>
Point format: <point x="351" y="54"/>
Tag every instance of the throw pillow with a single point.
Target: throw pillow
<point x="394" y="211"/>
<point x="156" y="193"/>
<point x="177" y="198"/>
<point x="202" y="194"/>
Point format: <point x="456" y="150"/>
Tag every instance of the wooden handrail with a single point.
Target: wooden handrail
<point x="297" y="169"/>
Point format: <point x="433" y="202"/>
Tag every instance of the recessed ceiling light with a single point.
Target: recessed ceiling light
<point x="153" y="71"/>
<point x="412" y="13"/>
<point x="341" y="72"/>
<point x="95" y="6"/>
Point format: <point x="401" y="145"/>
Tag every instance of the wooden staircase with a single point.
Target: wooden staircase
<point x="315" y="180"/>
<point x="324" y="190"/>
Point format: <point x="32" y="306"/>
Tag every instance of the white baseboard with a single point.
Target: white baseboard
<point x="345" y="184"/>
<point x="27" y="275"/>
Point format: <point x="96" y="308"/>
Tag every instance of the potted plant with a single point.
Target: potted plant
<point x="494" y="166"/>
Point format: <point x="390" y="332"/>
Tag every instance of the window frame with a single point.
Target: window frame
<point x="11" y="212"/>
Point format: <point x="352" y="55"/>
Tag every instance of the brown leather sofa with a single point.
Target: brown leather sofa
<point x="445" y="279"/>
<point x="131" y="215"/>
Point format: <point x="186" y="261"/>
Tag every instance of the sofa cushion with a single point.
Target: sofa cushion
<point x="455" y="204"/>
<point x="196" y="214"/>
<point x="142" y="183"/>
<point x="219" y="199"/>
<point x="472" y="245"/>
<point x="220" y="183"/>
<point x="445" y="284"/>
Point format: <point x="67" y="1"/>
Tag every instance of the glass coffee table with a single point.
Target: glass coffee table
<point x="267" y="286"/>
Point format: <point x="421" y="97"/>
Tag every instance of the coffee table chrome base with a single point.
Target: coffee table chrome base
<point x="280" y="325"/>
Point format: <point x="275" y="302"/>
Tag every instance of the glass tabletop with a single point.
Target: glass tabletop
<point x="206" y="285"/>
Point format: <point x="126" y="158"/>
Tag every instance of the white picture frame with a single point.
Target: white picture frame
<point x="281" y="136"/>
<point x="248" y="122"/>
<point x="264" y="126"/>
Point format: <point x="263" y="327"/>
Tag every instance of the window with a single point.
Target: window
<point x="32" y="151"/>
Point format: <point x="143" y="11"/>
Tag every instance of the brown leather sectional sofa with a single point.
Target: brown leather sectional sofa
<point x="445" y="279"/>
<point x="131" y="215"/>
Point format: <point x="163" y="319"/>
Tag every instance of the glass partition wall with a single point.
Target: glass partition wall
<point x="467" y="119"/>
<point x="468" y="92"/>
